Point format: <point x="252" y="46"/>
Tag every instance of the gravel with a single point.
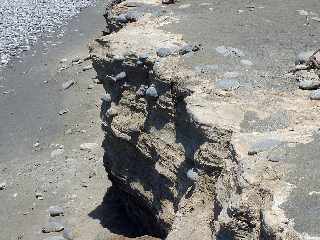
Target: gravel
<point x="23" y="22"/>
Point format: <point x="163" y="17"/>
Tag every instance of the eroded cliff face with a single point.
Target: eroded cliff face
<point x="176" y="163"/>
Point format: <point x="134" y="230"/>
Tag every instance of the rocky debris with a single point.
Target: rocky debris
<point x="24" y="22"/>
<point x="88" y="146"/>
<point x="263" y="145"/>
<point x="3" y="186"/>
<point x="141" y="92"/>
<point x="53" y="227"/>
<point x="66" y="85"/>
<point x="55" y="211"/>
<point x="106" y="98"/>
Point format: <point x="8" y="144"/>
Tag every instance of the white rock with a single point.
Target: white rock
<point x="88" y="146"/>
<point x="192" y="174"/>
<point x="3" y="186"/>
<point x="57" y="152"/>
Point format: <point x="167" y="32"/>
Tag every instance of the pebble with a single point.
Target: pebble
<point x="63" y="60"/>
<point x="90" y="86"/>
<point x="246" y="62"/>
<point x="141" y="91"/>
<point x="229" y="51"/>
<point x="88" y="146"/>
<point x="303" y="12"/>
<point x="76" y="59"/>
<point x="227" y="84"/>
<point x="3" y="186"/>
<point x="120" y="76"/>
<point x="167" y="1"/>
<point x="121" y="18"/>
<point x="151" y="92"/>
<point x="106" y="98"/>
<point x="309" y="85"/>
<point x="57" y="152"/>
<point x="68" y="234"/>
<point x="192" y="174"/>
<point x="63" y="111"/>
<point x="164" y="52"/>
<point x="263" y="145"/>
<point x="315" y="95"/>
<point x="303" y="57"/>
<point x="55" y="211"/>
<point x="231" y="74"/>
<point x="67" y="84"/>
<point x="86" y="68"/>
<point x="55" y="238"/>
<point x="39" y="196"/>
<point x="53" y="227"/>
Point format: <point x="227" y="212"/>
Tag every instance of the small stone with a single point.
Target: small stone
<point x="309" y="85"/>
<point x="92" y="173"/>
<point x="192" y="174"/>
<point x="227" y="84"/>
<point x="36" y="144"/>
<point x="67" y="84"/>
<point x="90" y="86"/>
<point x="315" y="95"/>
<point x="3" y="186"/>
<point x="164" y="52"/>
<point x="167" y="1"/>
<point x="55" y="238"/>
<point x="263" y="145"/>
<point x="303" y="12"/>
<point x="39" y="196"/>
<point x="84" y="184"/>
<point x="229" y="51"/>
<point x="57" y="152"/>
<point x="132" y="16"/>
<point x="112" y="112"/>
<point x="141" y="91"/>
<point x="68" y="234"/>
<point x="151" y="92"/>
<point x="86" y="68"/>
<point x="63" y="111"/>
<point x="76" y="59"/>
<point x="106" y="98"/>
<point x="143" y="57"/>
<point x="231" y="74"/>
<point x="185" y="49"/>
<point x="88" y="146"/>
<point x="63" y="60"/>
<point x="317" y="19"/>
<point x="55" y="211"/>
<point x="246" y="62"/>
<point x="303" y="57"/>
<point x="120" y="76"/>
<point x="121" y="18"/>
<point x="53" y="227"/>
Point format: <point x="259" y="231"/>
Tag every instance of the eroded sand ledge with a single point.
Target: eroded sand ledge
<point x="175" y="147"/>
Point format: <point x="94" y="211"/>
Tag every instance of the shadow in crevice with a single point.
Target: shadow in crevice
<point x="112" y="215"/>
